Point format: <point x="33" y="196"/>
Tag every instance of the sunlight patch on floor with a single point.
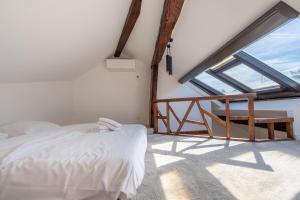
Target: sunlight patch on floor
<point x="173" y="187"/>
<point x="166" y="146"/>
<point x="184" y="145"/>
<point x="202" y="150"/>
<point x="225" y="143"/>
<point x="239" y="181"/>
<point x="268" y="173"/>
<point x="178" y="146"/>
<point x="246" y="157"/>
<point x="193" y="139"/>
<point x="162" y="160"/>
<point x="232" y="143"/>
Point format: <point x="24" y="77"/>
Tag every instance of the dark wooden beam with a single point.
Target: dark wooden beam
<point x="170" y="15"/>
<point x="153" y="92"/>
<point x="133" y="14"/>
<point x="171" y="12"/>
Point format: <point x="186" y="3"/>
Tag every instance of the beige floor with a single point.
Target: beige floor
<point x="199" y="168"/>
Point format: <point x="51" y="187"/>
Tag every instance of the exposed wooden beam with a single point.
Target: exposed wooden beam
<point x="170" y="15"/>
<point x="171" y="12"/>
<point x="153" y="92"/>
<point x="133" y="14"/>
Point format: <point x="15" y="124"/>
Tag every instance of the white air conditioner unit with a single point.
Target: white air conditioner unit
<point x="119" y="64"/>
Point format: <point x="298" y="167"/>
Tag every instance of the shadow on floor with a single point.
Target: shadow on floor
<point x="201" y="168"/>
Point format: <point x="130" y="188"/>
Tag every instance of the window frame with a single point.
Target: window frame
<point x="288" y="87"/>
<point x="268" y="71"/>
<point x="240" y="84"/>
<point x="277" y="16"/>
<point x="208" y="88"/>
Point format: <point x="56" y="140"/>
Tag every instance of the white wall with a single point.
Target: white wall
<point x="296" y="115"/>
<point x="169" y="87"/>
<point x="122" y="96"/>
<point x="51" y="101"/>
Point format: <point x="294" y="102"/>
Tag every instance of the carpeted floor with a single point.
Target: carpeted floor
<point x="179" y="168"/>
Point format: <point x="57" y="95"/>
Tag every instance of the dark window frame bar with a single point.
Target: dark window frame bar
<point x="260" y="96"/>
<point x="278" y="15"/>
<point x="263" y="94"/>
<point x="232" y="82"/>
<point x="268" y="71"/>
<point x="239" y="83"/>
<point x="205" y="87"/>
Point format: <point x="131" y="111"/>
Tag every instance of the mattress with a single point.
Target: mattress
<point x="73" y="164"/>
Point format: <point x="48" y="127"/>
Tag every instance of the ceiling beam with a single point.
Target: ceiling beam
<point x="133" y="15"/>
<point x="171" y="12"/>
<point x="170" y="15"/>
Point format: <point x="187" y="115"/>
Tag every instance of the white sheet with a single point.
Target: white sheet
<point x="27" y="127"/>
<point x="3" y="136"/>
<point x="70" y="164"/>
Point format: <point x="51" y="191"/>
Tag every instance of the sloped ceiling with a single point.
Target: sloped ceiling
<point x="205" y="27"/>
<point x="48" y="40"/>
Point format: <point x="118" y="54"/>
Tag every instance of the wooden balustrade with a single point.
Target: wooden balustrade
<point x="204" y="114"/>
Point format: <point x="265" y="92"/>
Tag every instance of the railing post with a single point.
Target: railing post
<point x="168" y="117"/>
<point x="251" y="123"/>
<point x="204" y="119"/>
<point x="196" y="100"/>
<point x="228" y="135"/>
<point x="155" y="118"/>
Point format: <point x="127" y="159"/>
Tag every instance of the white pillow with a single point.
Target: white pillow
<point x="110" y="121"/>
<point x="108" y="125"/>
<point x="27" y="127"/>
<point x="86" y="128"/>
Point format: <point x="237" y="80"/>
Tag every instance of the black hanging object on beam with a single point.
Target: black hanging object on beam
<point x="169" y="63"/>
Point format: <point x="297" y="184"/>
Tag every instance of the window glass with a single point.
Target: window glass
<point x="280" y="49"/>
<point x="251" y="78"/>
<point x="216" y="84"/>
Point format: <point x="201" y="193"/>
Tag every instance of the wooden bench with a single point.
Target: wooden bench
<point x="270" y="124"/>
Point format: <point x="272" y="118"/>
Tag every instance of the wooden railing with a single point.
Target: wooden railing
<point x="203" y="113"/>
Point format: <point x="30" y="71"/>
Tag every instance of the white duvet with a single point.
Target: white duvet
<point x="73" y="164"/>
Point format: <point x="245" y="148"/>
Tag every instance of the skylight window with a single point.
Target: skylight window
<point x="280" y="49"/>
<point x="216" y="84"/>
<point x="251" y="78"/>
<point x="263" y="58"/>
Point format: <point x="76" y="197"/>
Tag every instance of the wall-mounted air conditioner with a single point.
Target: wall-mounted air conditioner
<point x="119" y="64"/>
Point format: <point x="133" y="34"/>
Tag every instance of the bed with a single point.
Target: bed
<point x="73" y="163"/>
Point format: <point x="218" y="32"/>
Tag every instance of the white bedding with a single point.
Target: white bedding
<point x="73" y="164"/>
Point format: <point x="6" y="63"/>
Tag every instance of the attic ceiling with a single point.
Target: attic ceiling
<point x="52" y="40"/>
<point x="56" y="40"/>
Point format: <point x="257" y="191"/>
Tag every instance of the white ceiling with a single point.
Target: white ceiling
<point x="46" y="40"/>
